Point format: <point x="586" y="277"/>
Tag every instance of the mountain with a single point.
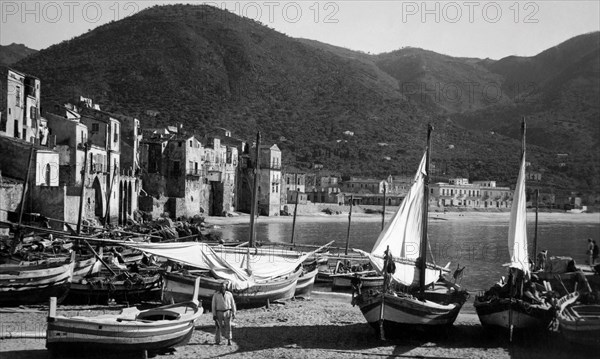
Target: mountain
<point x="207" y="68"/>
<point x="12" y="53"/>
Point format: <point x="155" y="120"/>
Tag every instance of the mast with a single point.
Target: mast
<point x="383" y="213"/>
<point x="423" y="247"/>
<point x="349" y="222"/>
<point x="255" y="191"/>
<point x="82" y="192"/>
<point x="535" y="233"/>
<point x="25" y="184"/>
<point x="295" y="211"/>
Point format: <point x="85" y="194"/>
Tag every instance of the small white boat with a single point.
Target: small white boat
<point x="131" y="331"/>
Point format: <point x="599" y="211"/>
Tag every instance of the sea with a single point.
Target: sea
<point x="478" y="244"/>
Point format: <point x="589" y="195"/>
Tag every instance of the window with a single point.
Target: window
<point x="18" y="97"/>
<point x="176" y="167"/>
<point x="95" y="127"/>
<point x="33" y="113"/>
<point x="116" y="133"/>
<point x="47" y="179"/>
<point x="191" y="144"/>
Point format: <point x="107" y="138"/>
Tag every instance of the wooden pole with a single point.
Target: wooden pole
<point x="349" y="223"/>
<point x="109" y="196"/>
<point x="295" y="211"/>
<point x="100" y="258"/>
<point x="253" y="210"/>
<point x="25" y="185"/>
<point x="535" y="233"/>
<point x="423" y="248"/>
<point x="82" y="192"/>
<point x="383" y="213"/>
<point x="385" y="287"/>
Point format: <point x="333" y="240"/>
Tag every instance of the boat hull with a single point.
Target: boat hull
<point x="178" y="287"/>
<point x="305" y="284"/>
<point x="406" y="310"/>
<point x="496" y="313"/>
<point x="30" y="284"/>
<point x="88" y="290"/>
<point x="581" y="324"/>
<point x="120" y="335"/>
<point x="344" y="282"/>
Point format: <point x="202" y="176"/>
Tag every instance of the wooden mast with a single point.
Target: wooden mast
<point x="253" y="209"/>
<point x="423" y="248"/>
<point x="295" y="211"/>
<point x="25" y="185"/>
<point x="535" y="233"/>
<point x="349" y="223"/>
<point x="383" y="213"/>
<point x="82" y="192"/>
<point x="510" y="311"/>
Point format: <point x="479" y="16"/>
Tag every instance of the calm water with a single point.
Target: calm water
<point x="480" y="245"/>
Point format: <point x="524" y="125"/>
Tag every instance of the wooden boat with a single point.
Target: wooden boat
<point x="122" y="287"/>
<point x="305" y="283"/>
<point x="151" y="330"/>
<point x="35" y="282"/>
<point x="498" y="306"/>
<point x="579" y="323"/>
<point x="414" y="291"/>
<point x="180" y="285"/>
<point x="497" y="312"/>
<point x="369" y="279"/>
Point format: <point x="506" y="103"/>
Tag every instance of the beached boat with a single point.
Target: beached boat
<point x="122" y="287"/>
<point x="306" y="282"/>
<point x="579" y="323"/>
<point x="150" y="330"/>
<point x="35" y="282"/>
<point x="180" y="285"/>
<point x="502" y="305"/>
<point x="414" y="291"/>
<point x="369" y="279"/>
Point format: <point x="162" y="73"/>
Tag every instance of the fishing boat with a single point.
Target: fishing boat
<point x="414" y="291"/>
<point x="306" y="280"/>
<point x="120" y="286"/>
<point x="179" y="285"/>
<point x="35" y="282"/>
<point x="150" y="330"/>
<point x="503" y="306"/>
<point x="579" y="323"/>
<point x="369" y="279"/>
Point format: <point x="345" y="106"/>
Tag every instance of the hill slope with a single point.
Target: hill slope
<point x="12" y="53"/>
<point x="205" y="67"/>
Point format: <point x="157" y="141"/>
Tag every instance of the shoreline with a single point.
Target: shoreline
<point x="543" y="217"/>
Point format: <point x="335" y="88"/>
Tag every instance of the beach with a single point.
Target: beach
<point x="324" y="326"/>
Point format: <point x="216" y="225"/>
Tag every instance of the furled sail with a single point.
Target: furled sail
<point x="226" y="264"/>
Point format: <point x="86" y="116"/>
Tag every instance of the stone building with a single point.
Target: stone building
<point x="184" y="177"/>
<point x="22" y="116"/>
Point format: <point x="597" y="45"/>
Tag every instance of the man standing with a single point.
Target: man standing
<point x="223" y="311"/>
<point x="590" y="251"/>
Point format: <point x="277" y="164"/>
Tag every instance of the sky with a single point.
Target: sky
<point x="482" y="29"/>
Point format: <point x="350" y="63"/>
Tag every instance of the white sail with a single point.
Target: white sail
<point x="517" y="229"/>
<point x="403" y="235"/>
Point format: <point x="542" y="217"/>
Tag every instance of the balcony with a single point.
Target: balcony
<point x="194" y="172"/>
<point x="271" y="166"/>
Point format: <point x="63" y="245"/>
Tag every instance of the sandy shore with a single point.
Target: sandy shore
<point x="325" y="326"/>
